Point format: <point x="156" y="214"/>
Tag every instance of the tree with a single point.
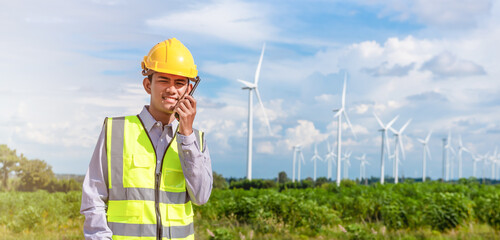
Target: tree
<point x="33" y="174"/>
<point x="282" y="177"/>
<point x="219" y="181"/>
<point x="9" y="161"/>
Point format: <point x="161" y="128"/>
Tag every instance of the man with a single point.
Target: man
<point x="148" y="169"/>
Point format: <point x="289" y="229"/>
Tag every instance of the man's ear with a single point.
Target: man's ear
<point x="147" y="85"/>
<point x="190" y="87"/>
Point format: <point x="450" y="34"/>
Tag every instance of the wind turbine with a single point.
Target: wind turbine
<point x="295" y="148"/>
<point x="426" y="150"/>
<point x="339" y="128"/>
<point x="347" y="160"/>
<point x="250" y="87"/>
<point x="329" y="158"/>
<point x="385" y="141"/>
<point x="461" y="149"/>
<point x="314" y="158"/>
<point x="477" y="158"/>
<point x="362" y="164"/>
<point x="301" y="159"/>
<point x="448" y="148"/>
<point x="493" y="160"/>
<point x="399" y="144"/>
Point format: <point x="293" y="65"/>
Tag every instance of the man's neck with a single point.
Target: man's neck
<point x="164" y="118"/>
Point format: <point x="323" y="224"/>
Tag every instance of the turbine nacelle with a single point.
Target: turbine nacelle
<point x="248" y="85"/>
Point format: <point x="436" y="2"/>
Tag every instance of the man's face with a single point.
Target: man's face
<point x="165" y="90"/>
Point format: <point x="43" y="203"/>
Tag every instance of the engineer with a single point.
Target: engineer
<point x="148" y="169"/>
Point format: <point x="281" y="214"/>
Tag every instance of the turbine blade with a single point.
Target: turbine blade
<point x="378" y="120"/>
<point x="387" y="146"/>
<point x="400" y="142"/>
<point x="349" y="123"/>
<point x="339" y="111"/>
<point x="428" y="152"/>
<point x="264" y="110"/>
<point x="452" y="150"/>
<point x="428" y="136"/>
<point x="343" y="90"/>
<point x="248" y="84"/>
<point x="404" y="127"/>
<point x="393" y="131"/>
<point x="257" y="72"/>
<point x="391" y="122"/>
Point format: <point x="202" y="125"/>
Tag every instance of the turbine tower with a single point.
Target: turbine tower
<point x="251" y="87"/>
<point x="362" y="164"/>
<point x="426" y="150"/>
<point x="477" y="158"/>
<point x="385" y="142"/>
<point x="314" y="158"/>
<point x="339" y="128"/>
<point x="461" y="149"/>
<point x="448" y="149"/>
<point x="329" y="158"/>
<point x="294" y="161"/>
<point x="347" y="159"/>
<point x="493" y="160"/>
<point x="399" y="144"/>
<point x="298" y="150"/>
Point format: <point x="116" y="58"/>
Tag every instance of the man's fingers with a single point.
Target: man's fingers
<point x="191" y="100"/>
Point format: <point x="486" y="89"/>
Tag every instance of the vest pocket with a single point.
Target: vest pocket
<point x="128" y="211"/>
<point x="173" y="180"/>
<point x="176" y="214"/>
<point x="138" y="169"/>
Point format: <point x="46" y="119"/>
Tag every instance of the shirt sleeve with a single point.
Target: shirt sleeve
<point x="95" y="193"/>
<point x="197" y="168"/>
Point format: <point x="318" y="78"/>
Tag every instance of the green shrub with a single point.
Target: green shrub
<point x="447" y="210"/>
<point x="487" y="210"/>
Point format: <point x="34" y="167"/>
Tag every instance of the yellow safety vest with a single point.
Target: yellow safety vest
<point x="142" y="204"/>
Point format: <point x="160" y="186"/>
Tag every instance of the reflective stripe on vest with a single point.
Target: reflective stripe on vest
<point x="130" y="171"/>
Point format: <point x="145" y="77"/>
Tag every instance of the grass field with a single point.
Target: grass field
<point x="404" y="211"/>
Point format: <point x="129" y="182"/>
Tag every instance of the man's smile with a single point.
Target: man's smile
<point x="169" y="99"/>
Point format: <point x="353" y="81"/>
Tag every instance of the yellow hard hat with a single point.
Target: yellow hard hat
<point x="170" y="56"/>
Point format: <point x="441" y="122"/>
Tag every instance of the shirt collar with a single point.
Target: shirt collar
<point x="149" y="120"/>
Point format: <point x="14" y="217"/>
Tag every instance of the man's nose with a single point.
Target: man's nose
<point x="171" y="89"/>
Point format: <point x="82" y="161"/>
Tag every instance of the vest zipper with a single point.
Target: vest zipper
<point x="159" y="228"/>
<point x="159" y="225"/>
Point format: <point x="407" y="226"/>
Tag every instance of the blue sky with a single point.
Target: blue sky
<point x="66" y="65"/>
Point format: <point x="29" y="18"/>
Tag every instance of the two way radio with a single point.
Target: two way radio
<point x="196" y="80"/>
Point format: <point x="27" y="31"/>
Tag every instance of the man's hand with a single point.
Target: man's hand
<point x="187" y="111"/>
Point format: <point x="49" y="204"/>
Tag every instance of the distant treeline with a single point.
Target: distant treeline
<point x="32" y="174"/>
<point x="283" y="182"/>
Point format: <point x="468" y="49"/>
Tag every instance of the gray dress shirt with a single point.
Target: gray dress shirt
<point x="195" y="162"/>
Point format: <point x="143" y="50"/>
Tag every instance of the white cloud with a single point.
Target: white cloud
<point x="304" y="134"/>
<point x="448" y="65"/>
<point x="358" y="129"/>
<point x="324" y="98"/>
<point x="233" y="21"/>
<point x="443" y="13"/>
<point x="265" y="147"/>
<point x="361" y="108"/>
